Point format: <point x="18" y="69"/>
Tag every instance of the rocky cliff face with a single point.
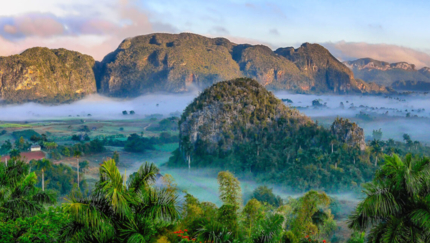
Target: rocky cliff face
<point x="425" y="71"/>
<point x="44" y="75"/>
<point x="369" y="63"/>
<point x="349" y="133"/>
<point x="220" y="116"/>
<point x="384" y="73"/>
<point x="325" y="71"/>
<point x="178" y="62"/>
<point x="166" y="62"/>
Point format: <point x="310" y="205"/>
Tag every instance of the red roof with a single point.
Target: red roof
<point x="27" y="156"/>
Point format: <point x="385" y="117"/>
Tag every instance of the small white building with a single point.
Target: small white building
<point x="35" y="148"/>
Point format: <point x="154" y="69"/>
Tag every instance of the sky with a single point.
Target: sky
<point x="390" y="31"/>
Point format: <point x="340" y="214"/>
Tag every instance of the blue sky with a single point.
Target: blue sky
<point x="391" y="22"/>
<point x="389" y="30"/>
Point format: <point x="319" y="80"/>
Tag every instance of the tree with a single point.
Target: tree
<point x="252" y="212"/>
<point x="265" y="194"/>
<point x="14" y="153"/>
<point x="21" y="143"/>
<point x="406" y="138"/>
<point x="77" y="154"/>
<point x="397" y="203"/>
<point x="118" y="212"/>
<point x="19" y="197"/>
<point x="377" y="150"/>
<point x="377" y="134"/>
<point x="115" y="157"/>
<point x="124" y="112"/>
<point x="66" y="152"/>
<point x="311" y="211"/>
<point x="43" y="164"/>
<point x="229" y="189"/>
<point x="132" y="112"/>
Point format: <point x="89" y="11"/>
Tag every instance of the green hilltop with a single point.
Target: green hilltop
<point x="238" y="125"/>
<point x="44" y="75"/>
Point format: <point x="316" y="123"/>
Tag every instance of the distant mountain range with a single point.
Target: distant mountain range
<point x="400" y="76"/>
<point x="173" y="63"/>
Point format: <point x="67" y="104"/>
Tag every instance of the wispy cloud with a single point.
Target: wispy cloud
<point x="95" y="35"/>
<point x="383" y="52"/>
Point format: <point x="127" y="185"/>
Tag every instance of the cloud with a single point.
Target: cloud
<point x="32" y="24"/>
<point x="219" y="30"/>
<point x="274" y="32"/>
<point x="82" y="31"/>
<point x="383" y="52"/>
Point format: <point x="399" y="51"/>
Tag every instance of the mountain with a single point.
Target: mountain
<point x="173" y="63"/>
<point x="388" y="74"/>
<point x="45" y="75"/>
<point x="179" y="62"/>
<point x="241" y="126"/>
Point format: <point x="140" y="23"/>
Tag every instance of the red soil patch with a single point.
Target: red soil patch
<point x="27" y="156"/>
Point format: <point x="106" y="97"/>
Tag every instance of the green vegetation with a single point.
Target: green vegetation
<point x="397" y="203"/>
<point x="47" y="76"/>
<point x="134" y="209"/>
<point x="14" y="125"/>
<point x="27" y="134"/>
<point x="247" y="130"/>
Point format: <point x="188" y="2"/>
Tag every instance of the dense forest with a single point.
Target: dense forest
<point x="396" y="208"/>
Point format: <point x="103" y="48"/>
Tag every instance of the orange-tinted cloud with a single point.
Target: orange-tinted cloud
<point x="34" y="24"/>
<point x="383" y="52"/>
<point x="91" y="35"/>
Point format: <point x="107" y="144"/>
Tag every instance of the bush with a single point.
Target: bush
<point x="27" y="134"/>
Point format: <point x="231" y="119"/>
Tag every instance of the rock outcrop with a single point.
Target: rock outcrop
<point x="47" y="76"/>
<point x="219" y="117"/>
<point x="179" y="62"/>
<point x="384" y="73"/>
<point x="348" y="132"/>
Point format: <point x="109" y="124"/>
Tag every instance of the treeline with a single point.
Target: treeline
<point x="137" y="209"/>
<point x="139" y="143"/>
<point x="297" y="157"/>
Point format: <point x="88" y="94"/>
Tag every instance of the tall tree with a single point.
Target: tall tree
<point x="77" y="154"/>
<point x="397" y="203"/>
<point x="43" y="164"/>
<point x="229" y="189"/>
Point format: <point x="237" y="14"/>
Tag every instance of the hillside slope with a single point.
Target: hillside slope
<point x="388" y="74"/>
<point x="179" y="62"/>
<point x="240" y="126"/>
<point x="44" y="75"/>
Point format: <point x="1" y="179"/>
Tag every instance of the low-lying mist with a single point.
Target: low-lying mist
<point x="388" y="113"/>
<point x="99" y="107"/>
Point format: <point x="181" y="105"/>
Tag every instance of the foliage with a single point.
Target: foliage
<point x="27" y="134"/>
<point x="19" y="196"/>
<point x="265" y="194"/>
<point x="269" y="141"/>
<point x="229" y="189"/>
<point x="118" y="212"/>
<point x="40" y="228"/>
<point x="397" y="203"/>
<point x="137" y="144"/>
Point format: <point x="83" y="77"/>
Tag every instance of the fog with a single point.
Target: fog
<point x="387" y="113"/>
<point x="100" y="107"/>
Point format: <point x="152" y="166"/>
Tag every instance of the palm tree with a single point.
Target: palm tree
<point x="376" y="149"/>
<point x="118" y="212"/>
<point x="19" y="196"/>
<point x="43" y="164"/>
<point x="77" y="154"/>
<point x="397" y="203"/>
